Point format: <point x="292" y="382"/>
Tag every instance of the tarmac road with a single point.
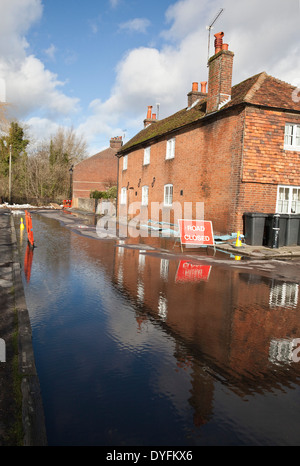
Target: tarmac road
<point x="21" y="411"/>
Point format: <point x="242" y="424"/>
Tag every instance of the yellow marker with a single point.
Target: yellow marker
<point x="22" y="225"/>
<point x="238" y="241"/>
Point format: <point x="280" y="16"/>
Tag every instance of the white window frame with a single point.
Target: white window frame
<point x="125" y="162"/>
<point x="123" y="197"/>
<point x="170" y="153"/>
<point x="147" y="151"/>
<point x="292" y="136"/>
<point x="288" y="199"/>
<point x="145" y="195"/>
<point x="168" y="195"/>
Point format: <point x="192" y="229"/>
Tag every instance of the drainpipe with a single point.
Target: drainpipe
<point x="117" y="198"/>
<point x="276" y="229"/>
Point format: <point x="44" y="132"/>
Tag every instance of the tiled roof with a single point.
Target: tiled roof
<point x="106" y="153"/>
<point x="265" y="90"/>
<point x="260" y="89"/>
<point x="171" y="123"/>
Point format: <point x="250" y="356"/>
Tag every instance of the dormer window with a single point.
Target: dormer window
<point x="292" y="137"/>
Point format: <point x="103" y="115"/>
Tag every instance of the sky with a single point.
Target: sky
<point x="96" y="65"/>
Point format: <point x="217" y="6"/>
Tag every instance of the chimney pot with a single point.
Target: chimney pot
<point x="153" y="116"/>
<point x="203" y="86"/>
<point x="225" y="47"/>
<point x="218" y="41"/>
<point x="149" y="111"/>
<point x="195" y="87"/>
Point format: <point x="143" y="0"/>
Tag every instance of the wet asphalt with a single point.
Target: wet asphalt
<point x="22" y="420"/>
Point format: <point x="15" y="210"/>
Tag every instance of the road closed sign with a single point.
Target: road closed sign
<point x="196" y="232"/>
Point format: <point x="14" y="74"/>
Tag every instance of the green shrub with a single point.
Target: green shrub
<point x="111" y="193"/>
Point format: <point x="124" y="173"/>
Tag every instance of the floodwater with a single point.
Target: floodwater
<point x="139" y="348"/>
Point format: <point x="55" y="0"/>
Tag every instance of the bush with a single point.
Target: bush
<point x="96" y="194"/>
<point x="111" y="193"/>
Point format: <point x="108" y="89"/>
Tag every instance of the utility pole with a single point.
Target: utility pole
<point x="9" y="176"/>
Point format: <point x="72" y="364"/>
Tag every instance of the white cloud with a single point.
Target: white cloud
<point x="40" y="129"/>
<point x="15" y="19"/>
<point x="29" y="85"/>
<point x="32" y="86"/>
<point x="135" y="25"/>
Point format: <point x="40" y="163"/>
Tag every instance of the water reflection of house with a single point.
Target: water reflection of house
<point x="235" y="148"/>
<point x="224" y="326"/>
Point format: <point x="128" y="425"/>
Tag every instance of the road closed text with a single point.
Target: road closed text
<point x="196" y="232"/>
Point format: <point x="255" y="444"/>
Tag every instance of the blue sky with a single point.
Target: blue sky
<point x="95" y="65"/>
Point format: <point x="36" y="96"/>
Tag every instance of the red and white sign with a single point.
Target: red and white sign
<point x="196" y="232"/>
<point x="189" y="272"/>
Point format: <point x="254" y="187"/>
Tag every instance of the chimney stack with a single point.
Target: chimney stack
<point x="219" y="75"/>
<point x="151" y="118"/>
<point x="195" y="94"/>
<point x="116" y="143"/>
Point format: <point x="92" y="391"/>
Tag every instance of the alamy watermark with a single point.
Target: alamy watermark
<point x="135" y="219"/>
<point x="2" y="350"/>
<point x="284" y="350"/>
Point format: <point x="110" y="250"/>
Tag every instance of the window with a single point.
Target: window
<point x="288" y="200"/>
<point x="123" y="196"/>
<point x="125" y="160"/>
<point x="292" y="137"/>
<point x="145" y="192"/>
<point x="147" y="156"/>
<point x="168" y="195"/>
<point x="170" y="149"/>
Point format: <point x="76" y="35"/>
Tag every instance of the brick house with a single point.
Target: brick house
<point x="234" y="148"/>
<point x="98" y="172"/>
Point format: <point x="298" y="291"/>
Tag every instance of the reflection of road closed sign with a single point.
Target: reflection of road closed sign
<point x="189" y="272"/>
<point x="196" y="232"/>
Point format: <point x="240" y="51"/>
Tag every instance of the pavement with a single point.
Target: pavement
<point x="261" y="252"/>
<point x="22" y="421"/>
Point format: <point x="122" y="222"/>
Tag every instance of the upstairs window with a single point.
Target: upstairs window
<point x="145" y="192"/>
<point x="168" y="195"/>
<point x="292" y="137"/>
<point x="170" y="149"/>
<point x="125" y="160"/>
<point x="288" y="200"/>
<point x="147" y="155"/>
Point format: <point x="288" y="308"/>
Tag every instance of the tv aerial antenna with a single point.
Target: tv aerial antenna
<point x="210" y="27"/>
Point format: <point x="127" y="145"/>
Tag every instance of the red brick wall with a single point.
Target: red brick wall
<point x="231" y="162"/>
<point x="98" y="172"/>
<point x="265" y="162"/>
<point x="205" y="168"/>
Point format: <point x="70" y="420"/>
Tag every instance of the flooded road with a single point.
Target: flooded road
<point x="137" y="347"/>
